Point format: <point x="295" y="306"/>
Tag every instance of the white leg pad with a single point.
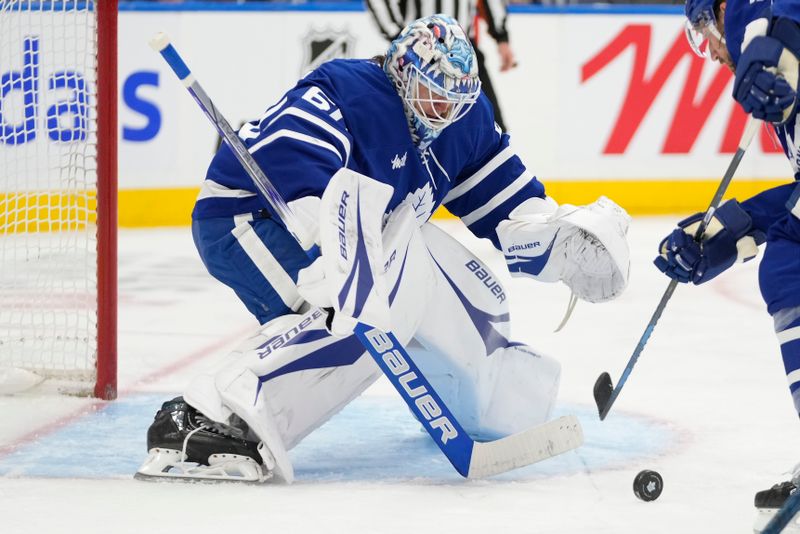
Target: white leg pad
<point x="510" y="391"/>
<point x="232" y="390"/>
<point x="285" y="382"/>
<point x="493" y="386"/>
<point x="238" y="389"/>
<point x="525" y="390"/>
<point x="203" y="395"/>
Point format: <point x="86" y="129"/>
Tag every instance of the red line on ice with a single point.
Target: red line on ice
<point x="99" y="405"/>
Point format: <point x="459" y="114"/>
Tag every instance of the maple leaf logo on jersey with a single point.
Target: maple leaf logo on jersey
<point x="398" y="162"/>
<point x="422" y="202"/>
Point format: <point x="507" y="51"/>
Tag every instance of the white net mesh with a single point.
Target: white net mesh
<point x="48" y="183"/>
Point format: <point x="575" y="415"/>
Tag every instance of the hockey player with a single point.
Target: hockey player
<point x="760" y="42"/>
<point x="377" y="145"/>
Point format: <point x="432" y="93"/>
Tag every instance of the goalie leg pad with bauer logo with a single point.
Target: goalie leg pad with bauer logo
<point x="493" y="385"/>
<point x="294" y="375"/>
<point x="304" y="375"/>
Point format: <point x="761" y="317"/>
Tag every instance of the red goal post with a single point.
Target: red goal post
<point x="58" y="196"/>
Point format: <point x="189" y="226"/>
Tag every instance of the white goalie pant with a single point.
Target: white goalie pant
<point x="294" y="376"/>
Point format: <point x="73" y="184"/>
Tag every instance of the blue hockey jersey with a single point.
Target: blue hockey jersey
<point x="346" y="113"/>
<point x="740" y="14"/>
<point x="777" y="275"/>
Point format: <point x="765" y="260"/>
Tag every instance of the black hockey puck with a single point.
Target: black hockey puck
<point x="648" y="485"/>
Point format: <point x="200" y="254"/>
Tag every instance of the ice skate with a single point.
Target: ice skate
<point x="184" y="445"/>
<point x="769" y="501"/>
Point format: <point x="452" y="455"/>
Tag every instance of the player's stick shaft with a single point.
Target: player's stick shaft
<point x="470" y="459"/>
<point x="784" y="516"/>
<point x="160" y="43"/>
<point x="605" y="394"/>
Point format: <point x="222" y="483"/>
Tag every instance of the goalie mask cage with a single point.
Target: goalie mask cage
<point x="58" y="164"/>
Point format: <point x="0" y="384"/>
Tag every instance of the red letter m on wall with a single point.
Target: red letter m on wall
<point x="692" y="110"/>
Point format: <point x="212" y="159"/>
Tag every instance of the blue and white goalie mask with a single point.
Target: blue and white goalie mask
<point x="701" y="26"/>
<point x="434" y="70"/>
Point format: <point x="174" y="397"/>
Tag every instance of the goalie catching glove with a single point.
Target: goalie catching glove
<point x="583" y="246"/>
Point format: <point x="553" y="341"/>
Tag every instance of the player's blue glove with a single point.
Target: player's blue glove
<point x="766" y="74"/>
<point x="728" y="239"/>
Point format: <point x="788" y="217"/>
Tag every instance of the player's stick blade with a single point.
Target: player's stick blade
<point x="603" y="388"/>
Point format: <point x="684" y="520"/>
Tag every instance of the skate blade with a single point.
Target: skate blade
<point x="185" y="479"/>
<point x="168" y="465"/>
<point x="765" y="515"/>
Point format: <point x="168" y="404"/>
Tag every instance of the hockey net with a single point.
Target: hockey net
<point x="58" y="195"/>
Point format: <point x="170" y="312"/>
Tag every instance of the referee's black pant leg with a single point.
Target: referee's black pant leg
<point x="486" y="85"/>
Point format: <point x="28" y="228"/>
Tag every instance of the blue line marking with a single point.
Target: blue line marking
<point x="353" y="446"/>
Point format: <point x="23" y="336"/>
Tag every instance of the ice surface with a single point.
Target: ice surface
<point x="707" y="406"/>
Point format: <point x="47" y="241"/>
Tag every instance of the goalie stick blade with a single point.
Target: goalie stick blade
<point x="525" y="448"/>
<point x="603" y="388"/>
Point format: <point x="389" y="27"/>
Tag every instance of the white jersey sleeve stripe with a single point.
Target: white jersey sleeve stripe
<point x="297" y="112"/>
<point x="277" y="277"/>
<point x="790" y="334"/>
<point x="793" y="377"/>
<point x="298" y="136"/>
<point x="499" y="198"/>
<point x="211" y="189"/>
<point x="503" y="156"/>
<point x="271" y="111"/>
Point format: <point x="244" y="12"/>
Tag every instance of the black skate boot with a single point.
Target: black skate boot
<point x="183" y="444"/>
<point x="775" y="496"/>
<point x="769" y="501"/>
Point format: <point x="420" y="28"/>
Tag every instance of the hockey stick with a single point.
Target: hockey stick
<point x="470" y="458"/>
<point x="604" y="391"/>
<point x="784" y="515"/>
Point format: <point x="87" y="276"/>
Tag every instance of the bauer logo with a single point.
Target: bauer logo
<point x="289" y="337"/>
<point x="487" y="279"/>
<point x="320" y="46"/>
<point x="414" y="387"/>
<point x="342" y="220"/>
<point x="526" y="246"/>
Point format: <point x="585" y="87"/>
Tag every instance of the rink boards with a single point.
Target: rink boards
<point x="603" y="101"/>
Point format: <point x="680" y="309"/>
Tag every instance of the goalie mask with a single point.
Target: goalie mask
<point x="433" y="67"/>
